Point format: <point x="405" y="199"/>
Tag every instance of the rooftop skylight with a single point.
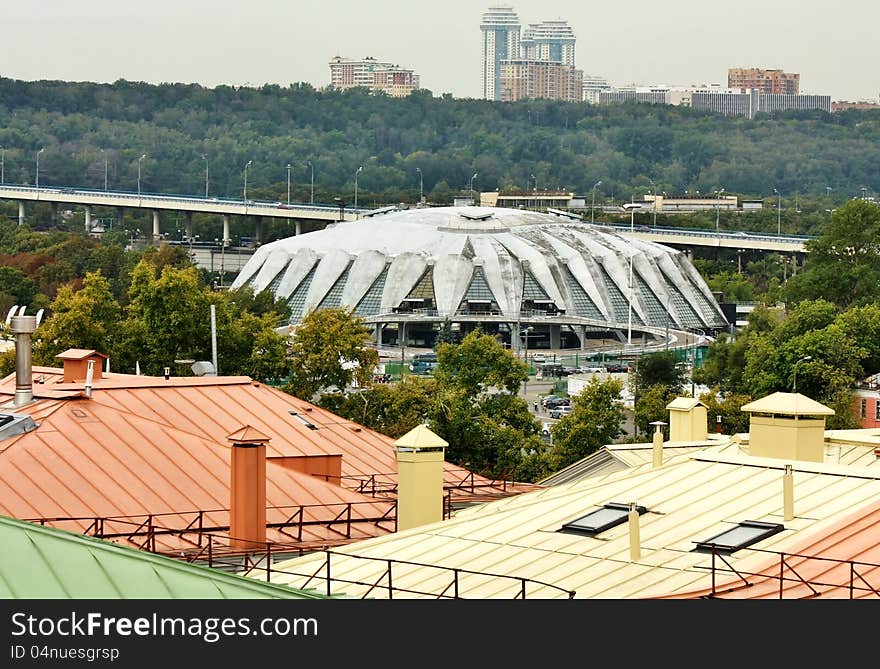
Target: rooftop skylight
<point x="604" y="518"/>
<point x="742" y="535"/>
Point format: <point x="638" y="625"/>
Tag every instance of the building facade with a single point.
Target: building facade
<point x="529" y="79"/>
<point x="500" y="28"/>
<point x="766" y="81"/>
<point x="549" y="40"/>
<point x="593" y="85"/>
<point x="539" y="63"/>
<point x="408" y="272"/>
<point x="369" y="73"/>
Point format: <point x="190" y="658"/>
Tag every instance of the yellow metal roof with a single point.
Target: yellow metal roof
<point x="421" y="436"/>
<point x="684" y="403"/>
<point x="793" y="404"/>
<point x="690" y="498"/>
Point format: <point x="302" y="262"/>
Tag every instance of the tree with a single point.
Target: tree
<point x="392" y="409"/>
<point x="595" y="420"/>
<point x="331" y="347"/>
<point x="86" y="318"/>
<point x="478" y="364"/>
<point x="844" y="261"/>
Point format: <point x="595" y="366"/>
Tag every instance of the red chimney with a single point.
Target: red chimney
<point x="247" y="487"/>
<point x="76" y="364"/>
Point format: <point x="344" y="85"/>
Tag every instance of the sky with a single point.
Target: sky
<point x="833" y="46"/>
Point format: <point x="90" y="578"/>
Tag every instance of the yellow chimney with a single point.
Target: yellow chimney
<point x="420" y="455"/>
<point x="787" y="425"/>
<point x="687" y="419"/>
<point x="657" y="443"/>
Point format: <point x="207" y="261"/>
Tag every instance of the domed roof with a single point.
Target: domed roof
<point x="455" y="261"/>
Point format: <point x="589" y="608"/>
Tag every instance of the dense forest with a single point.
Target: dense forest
<point x="186" y="132"/>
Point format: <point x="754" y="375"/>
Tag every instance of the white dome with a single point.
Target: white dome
<point x="476" y="264"/>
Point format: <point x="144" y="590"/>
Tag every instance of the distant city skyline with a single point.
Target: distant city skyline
<point x="680" y="42"/>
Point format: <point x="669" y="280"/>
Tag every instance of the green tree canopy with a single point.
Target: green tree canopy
<point x="844" y="260"/>
<point x="331" y="347"/>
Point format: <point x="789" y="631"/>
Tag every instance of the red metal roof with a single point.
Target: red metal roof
<point x="87" y="461"/>
<point x="212" y="407"/>
<point x="157" y="452"/>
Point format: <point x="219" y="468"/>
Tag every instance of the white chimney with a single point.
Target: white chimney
<point x="23" y="327"/>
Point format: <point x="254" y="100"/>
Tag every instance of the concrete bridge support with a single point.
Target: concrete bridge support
<point x="298" y="228"/>
<point x="225" y="228"/>
<point x="156" y="233"/>
<point x="88" y="218"/>
<point x="119" y="217"/>
<point x="21" y="212"/>
<point x="258" y="230"/>
<point x="54" y="215"/>
<point x="188" y="225"/>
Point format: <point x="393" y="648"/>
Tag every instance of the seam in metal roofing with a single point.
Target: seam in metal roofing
<point x="46" y="563"/>
<point x="690" y="499"/>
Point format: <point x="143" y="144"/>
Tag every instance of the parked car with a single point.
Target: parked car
<point x="539" y="358"/>
<point x="558" y="402"/>
<point x="549" y="399"/>
<point x="560" y="411"/>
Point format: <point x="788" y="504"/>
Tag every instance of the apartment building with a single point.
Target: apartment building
<point x="765" y="81"/>
<point x="387" y="78"/>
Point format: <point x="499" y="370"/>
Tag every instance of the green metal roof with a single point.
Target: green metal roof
<point x="39" y="562"/>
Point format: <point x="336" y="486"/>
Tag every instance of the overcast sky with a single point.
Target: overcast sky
<point x="835" y="46"/>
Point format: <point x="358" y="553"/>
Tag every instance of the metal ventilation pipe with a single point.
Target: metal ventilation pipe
<point x="23" y="327"/>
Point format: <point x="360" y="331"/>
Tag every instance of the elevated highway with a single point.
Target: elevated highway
<point x="185" y="204"/>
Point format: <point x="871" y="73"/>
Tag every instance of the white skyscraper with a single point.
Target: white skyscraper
<point x="500" y="27"/>
<point x="549" y="40"/>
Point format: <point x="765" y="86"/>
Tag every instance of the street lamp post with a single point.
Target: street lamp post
<point x="718" y="194"/>
<point x="140" y="160"/>
<point x="471" y="185"/>
<point x="288" y="183"/>
<point x="794" y="384"/>
<point x="104" y="153"/>
<point x="356" y="172"/>
<point x="37" y="181"/>
<point x="593" y="204"/>
<point x="421" y="190"/>
<point x="526" y="332"/>
<point x="205" y="158"/>
<point x="312" y="191"/>
<point x="244" y="197"/>
<point x="778" y="212"/>
<point x="532" y="176"/>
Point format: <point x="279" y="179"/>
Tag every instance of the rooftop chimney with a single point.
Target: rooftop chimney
<point x="419" y="477"/>
<point x="23" y="327"/>
<point x="687" y="419"/>
<point x="657" y="445"/>
<point x="76" y="364"/>
<point x="247" y="486"/>
<point x="787" y="425"/>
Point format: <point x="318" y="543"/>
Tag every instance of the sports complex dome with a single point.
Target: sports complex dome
<point x="407" y="272"/>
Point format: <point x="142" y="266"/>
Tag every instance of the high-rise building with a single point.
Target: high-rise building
<point x="548" y="40"/>
<point x="500" y="27"/>
<point x="387" y="78"/>
<point x="765" y="81"/>
<point x="527" y="79"/>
